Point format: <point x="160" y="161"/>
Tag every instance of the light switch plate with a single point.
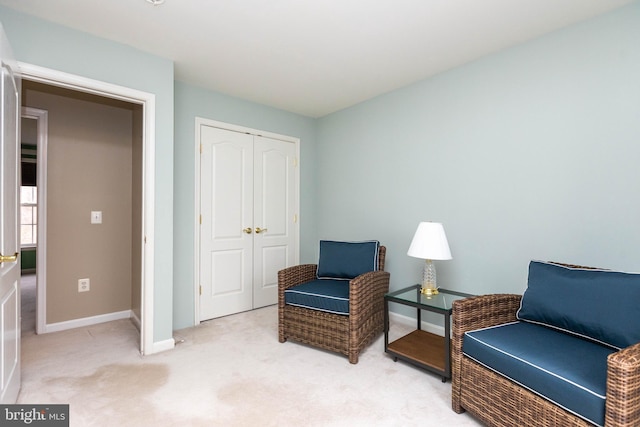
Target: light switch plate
<point x="96" y="217"/>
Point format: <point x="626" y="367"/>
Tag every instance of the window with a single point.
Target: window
<point x="28" y="215"/>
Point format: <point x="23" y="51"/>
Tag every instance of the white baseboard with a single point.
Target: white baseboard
<point x="165" y="345"/>
<point x="411" y="322"/>
<point x="86" y="321"/>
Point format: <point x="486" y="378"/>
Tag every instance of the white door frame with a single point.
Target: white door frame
<point x="42" y="120"/>
<point x="148" y="102"/>
<point x="196" y="252"/>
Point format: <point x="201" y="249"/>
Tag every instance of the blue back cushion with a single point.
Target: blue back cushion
<point x="597" y="304"/>
<point x="347" y="260"/>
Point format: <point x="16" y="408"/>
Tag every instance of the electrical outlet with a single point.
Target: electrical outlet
<point x="84" y="285"/>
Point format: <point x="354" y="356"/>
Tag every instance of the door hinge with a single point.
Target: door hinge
<point x="295" y="218"/>
<point x="295" y="162"/>
<point x="200" y="148"/>
<point x="200" y="289"/>
<point x="200" y="219"/>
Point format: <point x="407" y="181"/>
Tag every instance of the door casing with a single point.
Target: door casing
<point x="147" y="100"/>
<point x="42" y="120"/>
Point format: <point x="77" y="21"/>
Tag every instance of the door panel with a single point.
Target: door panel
<point x="224" y="268"/>
<point x="226" y="252"/>
<point x="229" y="193"/>
<point x="10" y="333"/>
<point x="9" y="243"/>
<point x="272" y="259"/>
<point x="274" y="210"/>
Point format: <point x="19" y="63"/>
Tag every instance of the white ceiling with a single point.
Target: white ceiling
<point x="315" y="57"/>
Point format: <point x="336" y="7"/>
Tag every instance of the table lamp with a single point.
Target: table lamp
<point x="429" y="243"/>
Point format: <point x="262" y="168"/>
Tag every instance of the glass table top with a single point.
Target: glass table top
<point x="442" y="301"/>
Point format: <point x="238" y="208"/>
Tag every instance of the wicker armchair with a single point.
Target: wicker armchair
<point x="498" y="401"/>
<point x="340" y="333"/>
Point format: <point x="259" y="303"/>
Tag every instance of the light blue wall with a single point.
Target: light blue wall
<point x="192" y="102"/>
<point x="42" y="43"/>
<point x="531" y="153"/>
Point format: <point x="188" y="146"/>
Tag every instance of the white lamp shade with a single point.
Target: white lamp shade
<point x="430" y="242"/>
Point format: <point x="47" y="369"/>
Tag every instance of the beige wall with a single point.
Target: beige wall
<point x="89" y="167"/>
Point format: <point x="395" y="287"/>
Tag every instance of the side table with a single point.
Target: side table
<point x="422" y="348"/>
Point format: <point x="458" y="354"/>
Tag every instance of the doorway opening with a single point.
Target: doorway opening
<point x="34" y="125"/>
<point x="126" y="207"/>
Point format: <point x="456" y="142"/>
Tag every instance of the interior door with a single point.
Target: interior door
<point x="275" y="195"/>
<point x="226" y="229"/>
<point x="9" y="243"/>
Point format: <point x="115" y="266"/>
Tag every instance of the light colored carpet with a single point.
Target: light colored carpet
<point x="227" y="372"/>
<point x="28" y="302"/>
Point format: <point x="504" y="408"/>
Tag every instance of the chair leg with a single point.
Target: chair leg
<point x="353" y="358"/>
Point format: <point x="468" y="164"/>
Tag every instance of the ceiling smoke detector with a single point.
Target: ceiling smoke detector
<point x="155" y="2"/>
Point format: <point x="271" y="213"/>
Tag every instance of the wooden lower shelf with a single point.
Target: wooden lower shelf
<point x="422" y="347"/>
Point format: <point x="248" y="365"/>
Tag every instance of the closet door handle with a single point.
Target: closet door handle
<point x="248" y="230"/>
<point x="260" y="230"/>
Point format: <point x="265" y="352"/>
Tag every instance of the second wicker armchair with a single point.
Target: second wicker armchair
<point x="337" y="304"/>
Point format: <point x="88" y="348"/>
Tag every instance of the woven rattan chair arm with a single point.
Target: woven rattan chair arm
<point x="484" y="311"/>
<point x="627" y="359"/>
<point x="366" y="288"/>
<point x="623" y="388"/>
<point x="296" y="275"/>
<point x="480" y="312"/>
<point x="475" y="313"/>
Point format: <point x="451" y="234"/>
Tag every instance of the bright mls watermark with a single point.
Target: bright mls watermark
<point x="34" y="415"/>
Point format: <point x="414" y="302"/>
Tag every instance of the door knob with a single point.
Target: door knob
<point x="248" y="230"/>
<point x="9" y="258"/>
<point x="261" y="230"/>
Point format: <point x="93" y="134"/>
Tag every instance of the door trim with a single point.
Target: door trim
<point x="148" y="102"/>
<point x="200" y="121"/>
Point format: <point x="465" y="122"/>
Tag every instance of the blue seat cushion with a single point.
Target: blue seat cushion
<point x="563" y="368"/>
<point x="347" y="260"/>
<point x="601" y="305"/>
<point x="322" y="294"/>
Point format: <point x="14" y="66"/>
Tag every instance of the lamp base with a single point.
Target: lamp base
<point x="429" y="291"/>
<point x="429" y="286"/>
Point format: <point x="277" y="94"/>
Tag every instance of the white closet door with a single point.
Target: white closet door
<point x="226" y="231"/>
<point x="275" y="200"/>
